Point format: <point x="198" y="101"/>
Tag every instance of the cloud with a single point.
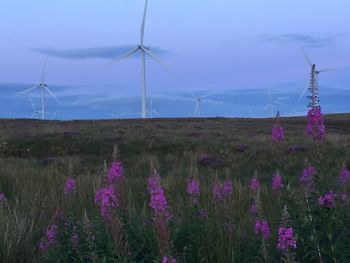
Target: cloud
<point x="312" y="40"/>
<point x="97" y="52"/>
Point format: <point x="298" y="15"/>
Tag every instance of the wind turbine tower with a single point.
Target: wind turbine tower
<point x="145" y="51"/>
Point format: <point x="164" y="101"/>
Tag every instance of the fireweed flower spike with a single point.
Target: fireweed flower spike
<point x="168" y="260"/>
<point x="315" y="126"/>
<point x="115" y="172"/>
<point x="277" y="130"/>
<point x="344" y="177"/>
<point x="106" y="199"/>
<point x="69" y="186"/>
<point x="49" y="239"/>
<point x="227" y="188"/>
<point x="306" y="178"/>
<point x="262" y="227"/>
<point x="328" y="200"/>
<point x="286" y="242"/>
<point x="193" y="189"/>
<point x="254" y="183"/>
<point x="277" y="182"/>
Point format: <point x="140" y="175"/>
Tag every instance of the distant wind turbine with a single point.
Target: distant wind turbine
<point x="144" y="51"/>
<point x="313" y="86"/>
<point x="44" y="88"/>
<point x="198" y="99"/>
<point x="271" y="104"/>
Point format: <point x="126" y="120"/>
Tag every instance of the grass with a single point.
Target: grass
<point x="36" y="157"/>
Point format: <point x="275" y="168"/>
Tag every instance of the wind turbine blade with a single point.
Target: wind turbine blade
<point x="52" y="95"/>
<point x="266" y="107"/>
<point x="33" y="107"/>
<point x="279" y="103"/>
<point x="152" y="55"/>
<point x="191" y="93"/>
<point x="30" y="89"/>
<point x="329" y="69"/>
<point x="306" y="57"/>
<point x="156" y="112"/>
<point x="129" y="54"/>
<point x="209" y="94"/>
<point x="142" y="33"/>
<point x="44" y="71"/>
<point x="302" y="94"/>
<point x="269" y="94"/>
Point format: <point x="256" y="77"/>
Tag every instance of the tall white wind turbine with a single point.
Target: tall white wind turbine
<point x="145" y="51"/>
<point x="44" y="88"/>
<point x="198" y="99"/>
<point x="271" y="104"/>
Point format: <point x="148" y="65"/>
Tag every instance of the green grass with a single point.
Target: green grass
<point x="37" y="156"/>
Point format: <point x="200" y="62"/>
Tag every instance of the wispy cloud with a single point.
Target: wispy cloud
<point x="308" y="40"/>
<point x="97" y="52"/>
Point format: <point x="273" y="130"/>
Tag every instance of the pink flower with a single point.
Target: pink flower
<point x="115" y="172"/>
<point x="253" y="209"/>
<point x="43" y="246"/>
<point x="344" y="177"/>
<point x="327" y="200"/>
<point x="51" y="234"/>
<point x="193" y="188"/>
<point x="69" y="186"/>
<point x="286" y="238"/>
<point x="315" y="127"/>
<point x="277" y="133"/>
<point x="227" y="188"/>
<point x="168" y="260"/>
<point x="254" y="184"/>
<point x="307" y="175"/>
<point x="158" y="201"/>
<point x="262" y="227"/>
<point x="106" y="199"/>
<point x="217" y="192"/>
<point x="277" y="183"/>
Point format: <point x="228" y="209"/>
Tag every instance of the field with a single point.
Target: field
<point x="42" y="219"/>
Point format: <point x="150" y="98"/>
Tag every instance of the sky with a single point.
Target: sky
<point x="236" y="49"/>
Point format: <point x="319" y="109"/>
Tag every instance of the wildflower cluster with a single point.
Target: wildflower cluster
<point x="286" y="239"/>
<point x="254" y="184"/>
<point x="277" y="182"/>
<point x="193" y="189"/>
<point x="49" y="239"/>
<point x="69" y="186"/>
<point x="106" y="199"/>
<point x="222" y="191"/>
<point x="262" y="227"/>
<point x="328" y="200"/>
<point x="115" y="172"/>
<point x="315" y="126"/>
<point x="306" y="178"/>
<point x="344" y="177"/>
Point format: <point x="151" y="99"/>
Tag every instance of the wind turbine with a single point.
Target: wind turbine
<point x="271" y="104"/>
<point x="313" y="86"/>
<point x="145" y="51"/>
<point x="198" y="99"/>
<point x="44" y="88"/>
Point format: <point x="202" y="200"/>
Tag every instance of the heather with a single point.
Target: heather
<point x="168" y="196"/>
